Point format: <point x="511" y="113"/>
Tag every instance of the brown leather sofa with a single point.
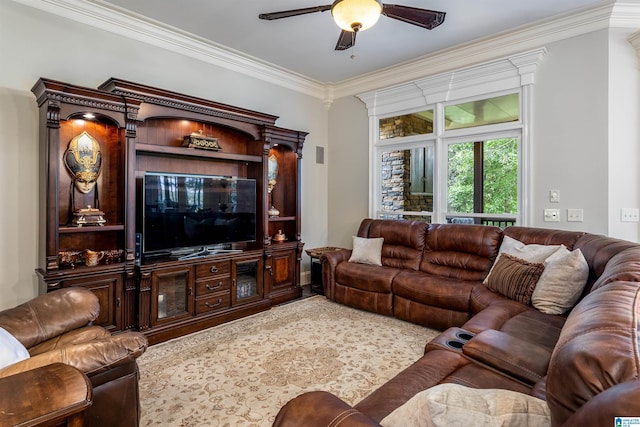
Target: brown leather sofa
<point x="584" y="363"/>
<point x="56" y="327"/>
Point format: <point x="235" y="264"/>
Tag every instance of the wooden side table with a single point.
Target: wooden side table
<point x="316" y="267"/>
<point x="52" y="395"/>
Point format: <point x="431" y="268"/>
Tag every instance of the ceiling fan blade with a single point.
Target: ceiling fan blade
<point x="424" y="18"/>
<point x="294" y="12"/>
<point x="346" y="40"/>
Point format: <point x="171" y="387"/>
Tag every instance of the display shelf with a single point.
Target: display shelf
<point x="282" y="219"/>
<point x="193" y="152"/>
<point x="68" y="229"/>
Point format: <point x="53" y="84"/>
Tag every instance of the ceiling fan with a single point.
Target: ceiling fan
<point x="358" y="15"/>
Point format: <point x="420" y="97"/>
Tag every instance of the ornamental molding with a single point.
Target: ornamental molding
<point x="504" y="74"/>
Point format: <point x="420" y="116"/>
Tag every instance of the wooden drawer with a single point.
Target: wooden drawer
<point x="209" y="286"/>
<point x="213" y="303"/>
<point x="210" y="269"/>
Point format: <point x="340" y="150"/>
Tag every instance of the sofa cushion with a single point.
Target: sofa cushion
<point x="458" y="251"/>
<point x="433" y="290"/>
<point x="11" y="350"/>
<point x="367" y="251"/>
<point x="514" y="278"/>
<point x="453" y="404"/>
<point x="403" y="241"/>
<point x="366" y="277"/>
<point x="562" y="281"/>
<point x="624" y="266"/>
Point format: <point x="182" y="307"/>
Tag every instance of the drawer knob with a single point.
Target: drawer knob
<point x="213" y="288"/>
<point x="213" y="269"/>
<point x="214" y="305"/>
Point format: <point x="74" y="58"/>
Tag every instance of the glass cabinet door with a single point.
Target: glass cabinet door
<point x="172" y="294"/>
<point x="247" y="281"/>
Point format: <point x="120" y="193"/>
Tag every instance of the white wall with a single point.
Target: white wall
<point x="570" y="132"/>
<point x="348" y="169"/>
<point x="624" y="134"/>
<point x="36" y="44"/>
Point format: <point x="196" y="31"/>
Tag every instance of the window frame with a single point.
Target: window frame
<point x="515" y="73"/>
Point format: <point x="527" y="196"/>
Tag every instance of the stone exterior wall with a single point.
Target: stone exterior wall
<point x="396" y="165"/>
<point x="410" y="124"/>
<point x="396" y="184"/>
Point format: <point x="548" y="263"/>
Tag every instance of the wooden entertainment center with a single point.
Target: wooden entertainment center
<point x="96" y="147"/>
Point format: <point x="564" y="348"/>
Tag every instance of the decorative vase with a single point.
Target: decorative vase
<point x="273" y="212"/>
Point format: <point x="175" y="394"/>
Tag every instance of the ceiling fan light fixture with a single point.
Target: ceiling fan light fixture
<point x="356" y="15"/>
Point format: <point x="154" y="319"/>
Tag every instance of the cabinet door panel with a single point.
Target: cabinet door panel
<point x="247" y="280"/>
<point x="171" y="294"/>
<point x="108" y="289"/>
<point x="283" y="269"/>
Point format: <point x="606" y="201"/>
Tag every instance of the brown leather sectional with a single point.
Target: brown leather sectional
<point x="584" y="363"/>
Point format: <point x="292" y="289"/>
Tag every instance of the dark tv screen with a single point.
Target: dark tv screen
<point x="197" y="211"/>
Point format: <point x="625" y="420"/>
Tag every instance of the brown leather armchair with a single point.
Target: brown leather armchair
<point x="57" y="327"/>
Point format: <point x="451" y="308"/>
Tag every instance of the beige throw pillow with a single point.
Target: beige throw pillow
<point x="458" y="405"/>
<point x="514" y="278"/>
<point x="562" y="281"/>
<point x="532" y="252"/>
<point x="367" y="251"/>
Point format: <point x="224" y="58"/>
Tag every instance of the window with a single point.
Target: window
<point x="482" y="178"/>
<point x="500" y="109"/>
<point x="454" y="147"/>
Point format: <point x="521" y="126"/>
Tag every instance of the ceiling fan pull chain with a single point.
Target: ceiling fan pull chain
<point x="353" y="45"/>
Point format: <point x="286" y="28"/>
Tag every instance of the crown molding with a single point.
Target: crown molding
<point x="108" y="17"/>
<point x="497" y="46"/>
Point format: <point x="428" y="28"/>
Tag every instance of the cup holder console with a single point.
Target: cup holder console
<point x="451" y="339"/>
<point x="455" y="344"/>
<point x="464" y="335"/>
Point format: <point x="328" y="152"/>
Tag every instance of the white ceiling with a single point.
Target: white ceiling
<point x="305" y="44"/>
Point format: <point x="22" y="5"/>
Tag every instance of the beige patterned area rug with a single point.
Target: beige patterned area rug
<point x="241" y="373"/>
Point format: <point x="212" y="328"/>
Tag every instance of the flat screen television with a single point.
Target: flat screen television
<point x="182" y="211"/>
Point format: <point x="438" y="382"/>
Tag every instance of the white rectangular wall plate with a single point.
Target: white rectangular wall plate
<point x="629" y="214"/>
<point x="575" y="215"/>
<point x="552" y="215"/>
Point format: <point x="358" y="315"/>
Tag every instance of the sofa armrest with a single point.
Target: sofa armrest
<point x="90" y="357"/>
<point x="621" y="400"/>
<point x="49" y="315"/>
<point x="44" y="396"/>
<point x="320" y="409"/>
<point x="508" y="354"/>
<point x="330" y="261"/>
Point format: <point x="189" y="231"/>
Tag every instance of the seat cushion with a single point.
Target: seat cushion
<point x="433" y="290"/>
<point x="366" y="277"/>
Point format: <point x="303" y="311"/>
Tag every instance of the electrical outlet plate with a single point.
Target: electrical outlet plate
<point x="552" y="215"/>
<point x="575" y="215"/>
<point x="554" y="196"/>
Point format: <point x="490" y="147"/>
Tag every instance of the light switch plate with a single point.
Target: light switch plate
<point x="629" y="214"/>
